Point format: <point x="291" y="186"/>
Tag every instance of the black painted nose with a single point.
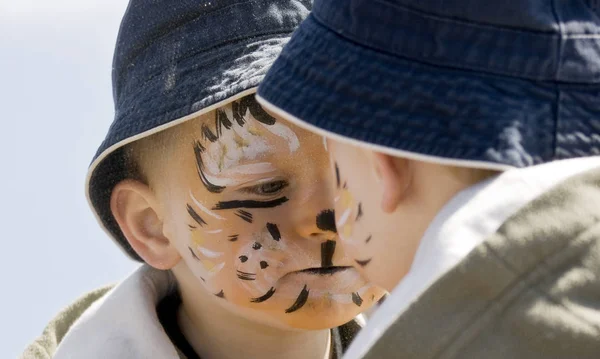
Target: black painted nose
<point x="326" y="221"/>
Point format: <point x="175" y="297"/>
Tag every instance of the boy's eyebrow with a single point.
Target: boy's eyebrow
<point x="239" y="109"/>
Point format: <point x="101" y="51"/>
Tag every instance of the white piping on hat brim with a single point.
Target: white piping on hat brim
<point x="378" y="148"/>
<point x="131" y="139"/>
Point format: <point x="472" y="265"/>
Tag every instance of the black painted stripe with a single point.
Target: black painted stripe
<point x="274" y="231"/>
<point x="264" y="297"/>
<point x="250" y="204"/>
<point x="300" y="301"/>
<point x="195" y="216"/>
<point x="357" y="299"/>
<point x="327" y="251"/>
<point x="363" y="262"/>
<point x="326" y="221"/>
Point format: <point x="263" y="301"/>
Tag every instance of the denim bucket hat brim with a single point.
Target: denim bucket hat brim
<point x="175" y="61"/>
<point x="498" y="85"/>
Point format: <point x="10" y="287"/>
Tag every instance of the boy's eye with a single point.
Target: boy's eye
<point x="267" y="189"/>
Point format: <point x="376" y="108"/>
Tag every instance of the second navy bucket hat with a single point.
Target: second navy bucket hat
<point x="487" y="84"/>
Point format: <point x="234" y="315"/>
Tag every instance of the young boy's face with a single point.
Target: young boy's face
<point x="248" y="205"/>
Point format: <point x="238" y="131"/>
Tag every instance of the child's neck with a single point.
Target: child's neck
<point x="215" y="332"/>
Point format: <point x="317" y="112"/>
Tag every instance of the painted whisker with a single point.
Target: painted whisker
<point x="300" y="301"/>
<point x="363" y="263"/>
<point x="360" y="212"/>
<point x="357" y="299"/>
<point x="246" y="216"/>
<point x="203" y="208"/>
<point x="246" y="276"/>
<point x="193" y="254"/>
<point x="264" y="297"/>
<point x="195" y="216"/>
<point x="209" y="253"/>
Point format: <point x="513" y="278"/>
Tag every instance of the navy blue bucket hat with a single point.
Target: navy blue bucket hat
<point x="485" y="84"/>
<point x="174" y="61"/>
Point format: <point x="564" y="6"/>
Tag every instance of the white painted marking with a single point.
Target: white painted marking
<point x="204" y="209"/>
<point x="343" y="218"/>
<point x="286" y="133"/>
<point x="208" y="253"/>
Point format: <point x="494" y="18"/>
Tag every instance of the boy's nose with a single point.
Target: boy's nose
<point x="321" y="226"/>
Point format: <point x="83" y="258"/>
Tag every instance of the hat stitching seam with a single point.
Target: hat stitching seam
<point x="452" y="64"/>
<point x="468" y="22"/>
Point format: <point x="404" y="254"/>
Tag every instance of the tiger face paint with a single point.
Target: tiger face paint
<point x="249" y="208"/>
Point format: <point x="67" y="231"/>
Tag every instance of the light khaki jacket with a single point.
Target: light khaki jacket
<point x="532" y="290"/>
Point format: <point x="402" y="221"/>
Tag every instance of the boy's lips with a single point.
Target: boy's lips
<point x="336" y="280"/>
<point x="322" y="270"/>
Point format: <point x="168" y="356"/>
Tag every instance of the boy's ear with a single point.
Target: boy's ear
<point x="136" y="210"/>
<point x="395" y="176"/>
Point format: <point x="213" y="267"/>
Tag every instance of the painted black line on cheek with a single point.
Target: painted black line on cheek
<point x="360" y="211"/>
<point x="264" y="297"/>
<point x="245" y="275"/>
<point x="193" y="254"/>
<point x="364" y="262"/>
<point x="246" y="216"/>
<point x="274" y="231"/>
<point x="233" y="237"/>
<point x="327" y="251"/>
<point x="357" y="299"/>
<point x="221" y="294"/>
<point x="256" y="246"/>
<point x="195" y="216"/>
<point x="368" y="239"/>
<point x="337" y="175"/>
<point x="250" y="204"/>
<point x="263" y="264"/>
<point x="300" y="301"/>
<point x="326" y="221"/>
<point x="243" y="259"/>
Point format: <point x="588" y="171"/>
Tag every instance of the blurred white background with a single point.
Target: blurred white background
<point x="56" y="105"/>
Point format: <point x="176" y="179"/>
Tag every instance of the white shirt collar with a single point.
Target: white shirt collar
<point x="123" y="324"/>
